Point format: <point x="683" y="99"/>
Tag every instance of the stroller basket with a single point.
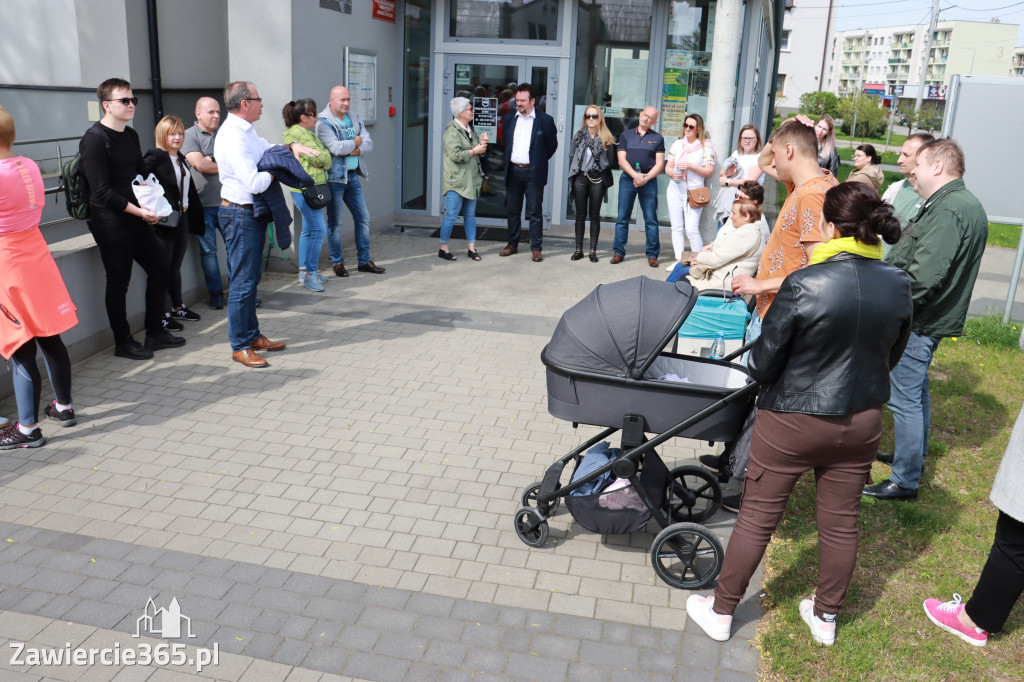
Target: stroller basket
<point x="621" y="511"/>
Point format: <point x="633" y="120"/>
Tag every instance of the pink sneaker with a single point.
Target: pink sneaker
<point x="945" y="615"/>
<point x="716" y="626"/>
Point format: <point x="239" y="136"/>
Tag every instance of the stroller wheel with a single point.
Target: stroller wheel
<point x="530" y="528"/>
<point x="687" y="556"/>
<point x="530" y="498"/>
<point x="693" y="494"/>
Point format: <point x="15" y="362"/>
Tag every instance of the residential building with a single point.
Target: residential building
<point x="1017" y="64"/>
<point x="804" y="51"/>
<point x="890" y="58"/>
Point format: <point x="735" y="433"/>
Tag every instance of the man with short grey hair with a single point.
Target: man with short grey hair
<point x="238" y="150"/>
<point x="198" y="150"/>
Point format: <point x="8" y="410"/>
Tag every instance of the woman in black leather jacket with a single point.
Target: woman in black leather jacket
<point x="827" y="343"/>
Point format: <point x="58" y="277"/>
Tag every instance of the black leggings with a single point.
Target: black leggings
<point x="173" y="244"/>
<point x="28" y="383"/>
<point x="584" y="191"/>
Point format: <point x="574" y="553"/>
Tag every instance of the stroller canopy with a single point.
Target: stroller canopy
<point x="620" y="328"/>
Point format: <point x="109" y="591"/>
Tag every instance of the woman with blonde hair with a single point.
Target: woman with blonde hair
<point x="169" y="166"/>
<point x="825" y="131"/>
<point x="690" y="162"/>
<point x="592" y="157"/>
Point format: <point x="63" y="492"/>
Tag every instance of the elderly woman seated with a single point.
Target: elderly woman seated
<point x="735" y="252"/>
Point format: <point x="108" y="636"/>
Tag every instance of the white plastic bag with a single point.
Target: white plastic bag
<point x="151" y="195"/>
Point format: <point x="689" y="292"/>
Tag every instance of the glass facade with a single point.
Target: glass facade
<point x="504" y="19"/>
<point x="416" y="113"/>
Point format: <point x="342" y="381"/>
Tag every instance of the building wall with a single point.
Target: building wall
<point x="809" y="28"/>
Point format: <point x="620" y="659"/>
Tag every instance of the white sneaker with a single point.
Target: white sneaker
<point x="823" y="631"/>
<point x="717" y="627"/>
<point x="302" y="277"/>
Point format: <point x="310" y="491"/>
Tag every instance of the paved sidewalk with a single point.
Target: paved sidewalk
<point x="348" y="511"/>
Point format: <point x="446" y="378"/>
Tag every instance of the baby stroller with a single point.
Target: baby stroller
<point x="606" y="366"/>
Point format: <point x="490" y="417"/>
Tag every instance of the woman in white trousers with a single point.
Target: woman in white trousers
<point x="690" y="161"/>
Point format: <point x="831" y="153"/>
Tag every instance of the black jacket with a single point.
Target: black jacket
<point x="543" y="144"/>
<point x="158" y="162"/>
<point x="831" y="336"/>
<point x="269" y="204"/>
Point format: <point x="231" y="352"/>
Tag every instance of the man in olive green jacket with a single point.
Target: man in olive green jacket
<point x="940" y="250"/>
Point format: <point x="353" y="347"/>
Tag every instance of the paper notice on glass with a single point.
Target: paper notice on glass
<point x="678" y="59"/>
<point x="485" y="116"/>
<point x="673" y="116"/>
<point x="362" y="85"/>
<point x="629" y="83"/>
<point x="675" y="85"/>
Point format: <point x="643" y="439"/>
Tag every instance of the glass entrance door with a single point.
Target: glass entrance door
<point x="490" y="83"/>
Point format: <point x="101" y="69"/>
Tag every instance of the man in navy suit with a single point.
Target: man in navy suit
<point x="530" y="140"/>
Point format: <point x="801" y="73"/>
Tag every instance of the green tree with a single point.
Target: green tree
<point x="818" y="104"/>
<point x="871" y="118"/>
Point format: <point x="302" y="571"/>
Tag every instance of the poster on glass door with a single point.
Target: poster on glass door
<point x="485" y="116"/>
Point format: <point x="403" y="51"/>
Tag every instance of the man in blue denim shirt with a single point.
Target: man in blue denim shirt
<point x="348" y="140"/>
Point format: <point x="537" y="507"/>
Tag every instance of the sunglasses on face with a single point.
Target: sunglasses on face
<point x="594" y="116"/>
<point x="689" y="126"/>
<point x="124" y="100"/>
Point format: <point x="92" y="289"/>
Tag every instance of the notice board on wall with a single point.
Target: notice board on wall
<point x="361" y="81"/>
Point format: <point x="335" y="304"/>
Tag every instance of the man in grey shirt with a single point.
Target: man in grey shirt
<point x="198" y="149"/>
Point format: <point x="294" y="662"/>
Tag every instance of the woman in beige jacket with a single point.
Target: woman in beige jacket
<point x="736" y="253"/>
<point x="866" y="170"/>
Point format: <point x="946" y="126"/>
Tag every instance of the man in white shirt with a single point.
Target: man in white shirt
<point x="530" y="140"/>
<point x="238" y="149"/>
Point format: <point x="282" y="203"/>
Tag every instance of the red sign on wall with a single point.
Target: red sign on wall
<point x="384" y="10"/>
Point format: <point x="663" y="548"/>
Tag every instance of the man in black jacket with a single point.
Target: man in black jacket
<point x="110" y="160"/>
<point x="530" y="140"/>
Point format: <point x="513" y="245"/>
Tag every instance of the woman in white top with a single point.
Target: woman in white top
<point x="690" y="161"/>
<point x="737" y="169"/>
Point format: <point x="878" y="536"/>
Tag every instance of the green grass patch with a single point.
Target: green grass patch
<point x="1001" y="234"/>
<point x="910" y="551"/>
<point x="851" y="143"/>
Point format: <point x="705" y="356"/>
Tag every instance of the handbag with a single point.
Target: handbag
<point x="698" y="197"/>
<point x="317" y="196"/>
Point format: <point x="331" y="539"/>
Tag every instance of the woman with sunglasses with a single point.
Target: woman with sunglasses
<point x="690" y="162"/>
<point x="592" y="157"/>
<point x="300" y="117"/>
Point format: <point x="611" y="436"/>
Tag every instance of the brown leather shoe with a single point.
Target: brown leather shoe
<point x="653" y="262"/>
<point x="537" y="256"/>
<point x="249" y="358"/>
<point x="263" y="343"/>
<point x="509" y="250"/>
<point x="339" y="270"/>
<point x="617" y="258"/>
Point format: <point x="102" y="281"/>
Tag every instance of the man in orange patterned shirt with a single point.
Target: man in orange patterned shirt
<point x="791" y="157"/>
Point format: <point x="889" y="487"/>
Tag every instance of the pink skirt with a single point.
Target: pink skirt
<point x="33" y="299"/>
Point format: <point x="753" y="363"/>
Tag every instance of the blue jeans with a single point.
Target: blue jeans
<point x="245" y="238"/>
<point x="208" y="249"/>
<point x="911" y="409"/>
<point x="311" y="241"/>
<point x="351" y="194"/>
<point x="453" y="203"/>
<point x="648" y="206"/>
<point x="678" y="272"/>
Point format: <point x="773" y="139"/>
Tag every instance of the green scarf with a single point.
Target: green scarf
<point x="826" y="250"/>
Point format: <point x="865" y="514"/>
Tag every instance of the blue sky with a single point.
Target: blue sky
<point x="854" y="14"/>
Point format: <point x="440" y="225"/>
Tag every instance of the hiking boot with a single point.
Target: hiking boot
<point x="823" y="631"/>
<point x="946" y="616"/>
<point x="62" y="417"/>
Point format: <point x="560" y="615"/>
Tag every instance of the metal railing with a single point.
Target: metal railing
<point x="45" y="161"/>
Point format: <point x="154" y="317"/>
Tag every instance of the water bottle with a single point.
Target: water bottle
<point x="718" y="347"/>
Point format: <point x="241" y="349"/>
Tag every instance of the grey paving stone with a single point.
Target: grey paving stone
<point x="312" y="585"/>
<point x="58" y="606"/>
<point x="15" y="574"/>
<point x="700" y="651"/>
<point x="94" y="588"/>
<point x="512" y="617"/>
<point x="655" y="661"/>
<point x="34" y="601"/>
<point x="423" y="672"/>
<point x="239" y="616"/>
<point x="326" y="659"/>
<point x="139" y="574"/>
<point x="233" y="640"/>
<point x="146" y="556"/>
<point x="387" y="619"/>
<point x="64" y="561"/>
<point x="279" y="600"/>
<point x="378" y="668"/>
<point x="245" y="573"/>
<point x="294" y="627"/>
<point x="616" y="633"/>
<point x="555" y="646"/>
<point x="439" y="628"/>
<point x="348" y="591"/>
<point x="645" y="637"/>
<point x="68" y="542"/>
<point x="272" y="622"/>
<point x="240" y="593"/>
<point x="274" y="577"/>
<point x="105" y="568"/>
<point x="209" y="586"/>
<point x="401" y="646"/>
<point x="452" y="675"/>
<point x="96" y="613"/>
<point x="262" y="646"/>
<point x="386" y="597"/>
<point x="579" y="672"/>
<point x="358" y="638"/>
<point x="429" y="604"/>
<point x="333" y="609"/>
<point x="107" y="549"/>
<point x="683" y="674"/>
<point x="486" y="660"/>
<point x="181" y="561"/>
<point x="324" y="632"/>
<point x="515" y="640"/>
<point x="447" y="654"/>
<point x="726" y="675"/>
<point x="213" y="566"/>
<point x="611" y="655"/>
<point x="45" y="537"/>
<point x="575" y="626"/>
<point x="11" y="596"/>
<point x="172" y="580"/>
<point x="291" y="652"/>
<point x="202" y="608"/>
<point x="739" y="655"/>
<point x="486" y="636"/>
<point x="476" y="612"/>
<point x="37" y="555"/>
<point x="536" y="668"/>
<point x="132" y="596"/>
